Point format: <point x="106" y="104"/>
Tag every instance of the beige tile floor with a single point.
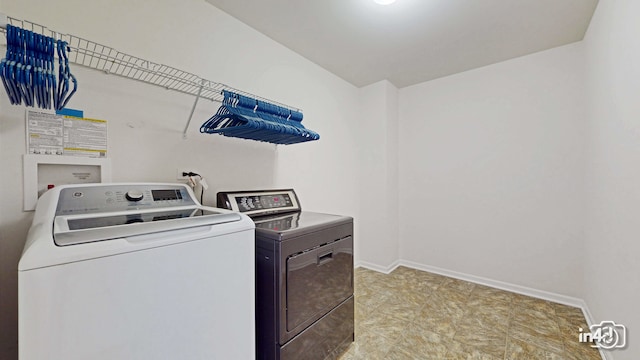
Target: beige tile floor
<point x="412" y="314"/>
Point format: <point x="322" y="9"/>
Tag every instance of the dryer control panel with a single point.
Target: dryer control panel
<point x="259" y="202"/>
<point x="98" y="199"/>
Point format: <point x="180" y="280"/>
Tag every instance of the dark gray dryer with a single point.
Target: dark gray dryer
<point x="304" y="276"/>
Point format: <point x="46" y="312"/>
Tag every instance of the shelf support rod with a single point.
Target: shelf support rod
<point x="193" y="108"/>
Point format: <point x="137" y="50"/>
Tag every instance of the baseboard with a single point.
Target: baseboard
<point x="606" y="355"/>
<point x="378" y="268"/>
<point x="540" y="294"/>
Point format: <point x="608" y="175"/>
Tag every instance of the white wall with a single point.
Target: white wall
<point x="378" y="247"/>
<point x="612" y="268"/>
<point x="146" y="123"/>
<point x="491" y="172"/>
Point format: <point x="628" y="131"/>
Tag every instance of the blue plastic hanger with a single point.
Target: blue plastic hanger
<point x="49" y="74"/>
<point x="8" y="70"/>
<point x="64" y="75"/>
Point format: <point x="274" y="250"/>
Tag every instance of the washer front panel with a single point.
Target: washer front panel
<point x="109" y="211"/>
<point x="99" y="199"/>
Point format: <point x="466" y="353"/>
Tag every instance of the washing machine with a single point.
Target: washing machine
<point x="304" y="276"/>
<point x="135" y="271"/>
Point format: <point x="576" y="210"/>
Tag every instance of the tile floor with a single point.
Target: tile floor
<point x="412" y="314"/>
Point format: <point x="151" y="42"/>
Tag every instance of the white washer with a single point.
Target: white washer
<point x="136" y="271"/>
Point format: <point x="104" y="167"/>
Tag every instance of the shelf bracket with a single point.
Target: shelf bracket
<point x="193" y="108"/>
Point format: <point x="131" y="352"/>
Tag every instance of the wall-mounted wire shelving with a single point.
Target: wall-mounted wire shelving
<point x="111" y="61"/>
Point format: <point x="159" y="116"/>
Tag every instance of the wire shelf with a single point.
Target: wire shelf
<point x="111" y="61"/>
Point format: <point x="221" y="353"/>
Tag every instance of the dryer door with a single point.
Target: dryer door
<point x="317" y="281"/>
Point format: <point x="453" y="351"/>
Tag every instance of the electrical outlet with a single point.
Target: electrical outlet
<point x="179" y="172"/>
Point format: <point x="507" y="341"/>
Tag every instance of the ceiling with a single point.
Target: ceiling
<point x="412" y="41"/>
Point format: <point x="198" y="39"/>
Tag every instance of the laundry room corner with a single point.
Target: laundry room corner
<point x="378" y="177"/>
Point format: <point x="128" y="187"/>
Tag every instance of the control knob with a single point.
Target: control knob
<point x="134" y="195"/>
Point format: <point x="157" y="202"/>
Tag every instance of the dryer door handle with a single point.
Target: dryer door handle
<point x="325" y="257"/>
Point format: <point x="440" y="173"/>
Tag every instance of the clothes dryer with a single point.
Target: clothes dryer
<point x="304" y="276"/>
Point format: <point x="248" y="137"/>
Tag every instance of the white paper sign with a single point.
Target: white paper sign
<point x="44" y="133"/>
<point x="51" y="134"/>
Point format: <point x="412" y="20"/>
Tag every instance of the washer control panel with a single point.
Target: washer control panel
<point x="259" y="202"/>
<point x="97" y="199"/>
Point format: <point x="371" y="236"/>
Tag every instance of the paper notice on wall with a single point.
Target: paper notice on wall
<point x="85" y="137"/>
<point x="52" y="134"/>
<point x="44" y="133"/>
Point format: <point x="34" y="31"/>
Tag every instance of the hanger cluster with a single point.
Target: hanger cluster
<point x="28" y="70"/>
<point x="248" y="118"/>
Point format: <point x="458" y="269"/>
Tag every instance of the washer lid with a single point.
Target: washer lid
<point x="79" y="229"/>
